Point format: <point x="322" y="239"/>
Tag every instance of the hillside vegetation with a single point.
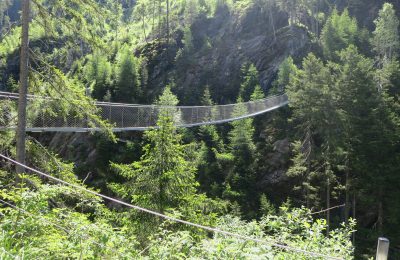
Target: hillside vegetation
<point x="318" y="178"/>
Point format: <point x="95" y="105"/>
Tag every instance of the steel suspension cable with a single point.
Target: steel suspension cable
<point x="328" y="209"/>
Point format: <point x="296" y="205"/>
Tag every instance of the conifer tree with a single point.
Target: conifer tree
<point x="127" y="88"/>
<point x="286" y="68"/>
<point x="164" y="177"/>
<point x="98" y="74"/>
<point x="191" y="11"/>
<point x="243" y="177"/>
<point x="339" y="31"/>
<point x="358" y="104"/>
<point x="386" y="34"/>
<point x="250" y="79"/>
<point x="310" y="92"/>
<point x="211" y="173"/>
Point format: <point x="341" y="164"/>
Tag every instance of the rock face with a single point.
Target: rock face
<point x="277" y="162"/>
<point x="221" y="45"/>
<point x="74" y="147"/>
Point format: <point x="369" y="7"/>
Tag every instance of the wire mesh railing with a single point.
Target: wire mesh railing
<point x="128" y="117"/>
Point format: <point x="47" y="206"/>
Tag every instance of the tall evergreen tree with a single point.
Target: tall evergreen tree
<point x="250" y="79"/>
<point x="127" y="86"/>
<point x="164" y="177"/>
<point x="339" y="31"/>
<point x="386" y="34"/>
<point x="211" y="172"/>
<point x="241" y="182"/>
<point x="98" y="73"/>
<point x="286" y="68"/>
<point x="310" y="93"/>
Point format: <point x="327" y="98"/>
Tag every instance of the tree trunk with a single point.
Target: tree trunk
<point x="347" y="200"/>
<point x="23" y="86"/>
<point x="328" y="205"/>
<point x="308" y="158"/>
<point x="154" y="15"/>
<point x="159" y="19"/>
<point x="380" y="210"/>
<point x="354" y="215"/>
<point x="144" y="27"/>
<point x="167" y="22"/>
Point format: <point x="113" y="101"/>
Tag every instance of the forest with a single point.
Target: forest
<point x="317" y="178"/>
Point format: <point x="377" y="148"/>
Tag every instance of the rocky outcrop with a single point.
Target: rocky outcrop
<point x="277" y="163"/>
<point x="221" y="45"/>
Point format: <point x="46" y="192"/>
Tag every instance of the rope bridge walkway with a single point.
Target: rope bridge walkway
<point x="133" y="117"/>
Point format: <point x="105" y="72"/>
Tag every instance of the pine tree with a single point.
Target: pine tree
<point x="386" y="35"/>
<point x="164" y="177"/>
<point x="190" y="12"/>
<point x="210" y="173"/>
<point x="311" y="94"/>
<point x="286" y="68"/>
<point x="250" y="79"/>
<point x="243" y="177"/>
<point x="98" y="73"/>
<point x="339" y="32"/>
<point x="127" y="86"/>
<point x="360" y="105"/>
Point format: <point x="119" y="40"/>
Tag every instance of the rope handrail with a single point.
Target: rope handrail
<point x="188" y="223"/>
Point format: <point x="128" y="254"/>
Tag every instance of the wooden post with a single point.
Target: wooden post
<point x="23" y="86"/>
<point x="382" y="250"/>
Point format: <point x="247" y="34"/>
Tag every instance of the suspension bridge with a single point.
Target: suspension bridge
<point x="129" y="117"/>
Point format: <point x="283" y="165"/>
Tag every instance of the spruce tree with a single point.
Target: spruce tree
<point x="339" y="31"/>
<point x="386" y="35"/>
<point x="242" y="180"/>
<point x="98" y="74"/>
<point x="164" y="177"/>
<point x="250" y="79"/>
<point x="210" y="173"/>
<point x="127" y="87"/>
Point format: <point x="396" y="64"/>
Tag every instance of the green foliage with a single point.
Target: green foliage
<point x="286" y="69"/>
<point x="295" y="227"/>
<point x="250" y="80"/>
<point x="98" y="74"/>
<point x="210" y="171"/>
<point x="127" y="88"/>
<point x="191" y="11"/>
<point x="243" y="150"/>
<point x="257" y="94"/>
<point x="266" y="207"/>
<point x="343" y="127"/>
<point x="163" y="178"/>
<point x="310" y="92"/>
<point x="386" y="34"/>
<point x="340" y="31"/>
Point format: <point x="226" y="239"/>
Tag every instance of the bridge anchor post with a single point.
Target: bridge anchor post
<point x="382" y="249"/>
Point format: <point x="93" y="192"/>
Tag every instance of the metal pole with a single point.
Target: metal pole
<point x="382" y="250"/>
